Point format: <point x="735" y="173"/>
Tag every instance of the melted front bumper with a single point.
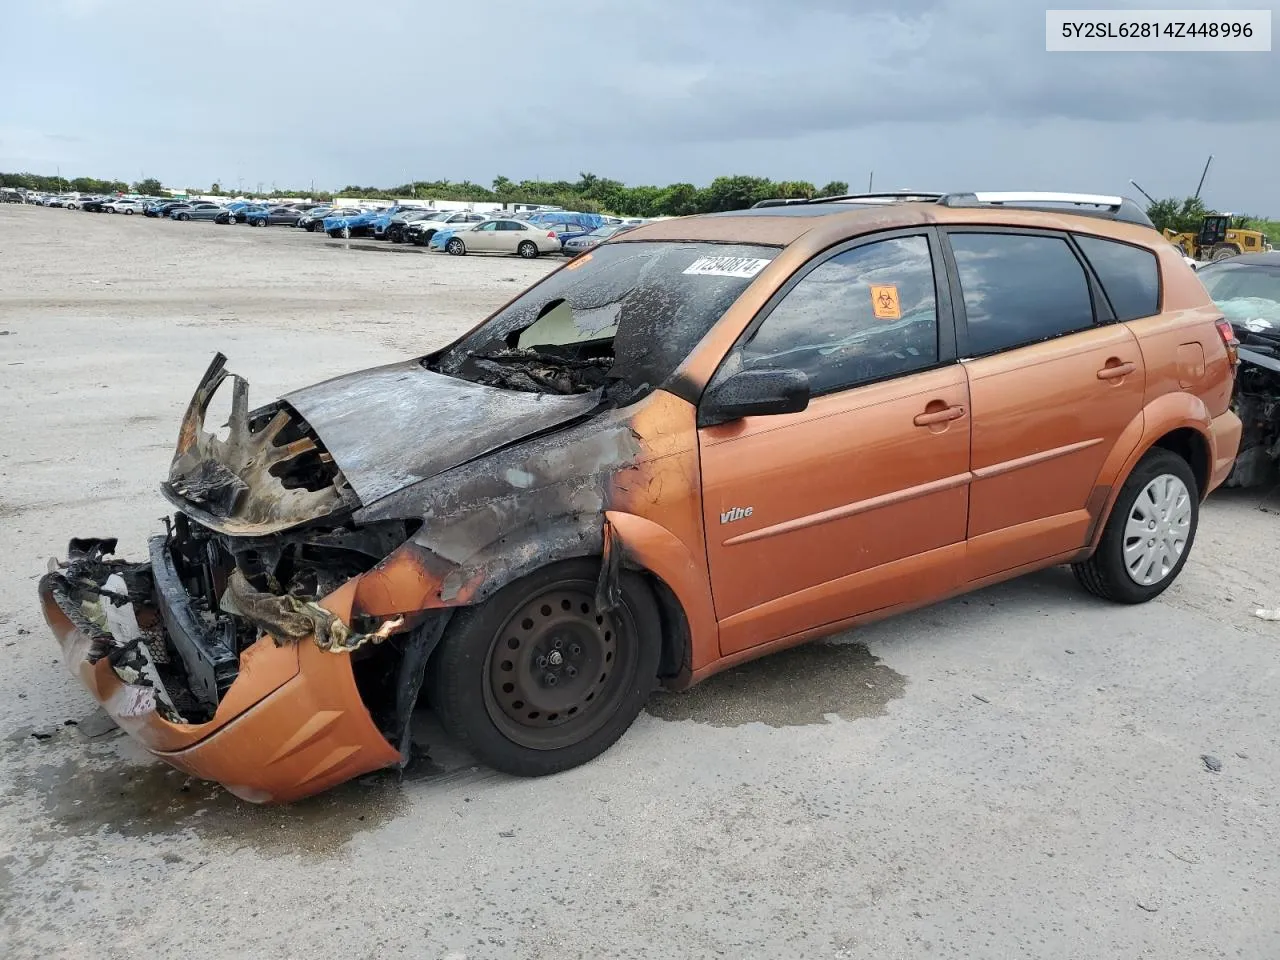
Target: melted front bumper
<point x="291" y="725"/>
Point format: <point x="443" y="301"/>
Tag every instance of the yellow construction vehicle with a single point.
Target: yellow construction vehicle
<point x="1218" y="240"/>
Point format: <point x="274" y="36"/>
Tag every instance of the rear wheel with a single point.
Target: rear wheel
<point x="184" y="216"/>
<point x="537" y="679"/>
<point x="128" y="213"/>
<point x="345" y="233"/>
<point x="456" y="247"/>
<point x="1149" y="534"/>
<point x="528" y="249"/>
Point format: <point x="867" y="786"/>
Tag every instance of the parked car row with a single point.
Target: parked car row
<point x="526" y="234"/>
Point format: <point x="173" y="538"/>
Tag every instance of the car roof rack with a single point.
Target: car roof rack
<point x="1086" y="204"/>
<point x="892" y="196"/>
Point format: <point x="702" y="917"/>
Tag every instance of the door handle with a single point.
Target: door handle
<point x="944" y="415"/>
<point x="1115" y="372"/>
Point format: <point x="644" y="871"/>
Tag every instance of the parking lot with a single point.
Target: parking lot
<point x="1017" y="773"/>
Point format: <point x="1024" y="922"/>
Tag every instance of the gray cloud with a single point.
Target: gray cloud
<point x="647" y="91"/>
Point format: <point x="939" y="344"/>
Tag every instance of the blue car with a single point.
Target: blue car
<point x="568" y="226"/>
<point x="362" y="223"/>
<point x="382" y="223"/>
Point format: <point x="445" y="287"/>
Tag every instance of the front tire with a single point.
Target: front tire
<point x="1224" y="252"/>
<point x="345" y="233"/>
<point x="537" y="680"/>
<point x="1149" y="534"/>
<point x="184" y="216"/>
<point x="456" y="248"/>
<point x="128" y="213"/>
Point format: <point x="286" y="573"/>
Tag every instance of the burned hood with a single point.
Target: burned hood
<point x="392" y="426"/>
<point x="344" y="443"/>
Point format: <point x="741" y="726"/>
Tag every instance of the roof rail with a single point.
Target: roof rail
<point x="1087" y="204"/>
<point x="893" y="196"/>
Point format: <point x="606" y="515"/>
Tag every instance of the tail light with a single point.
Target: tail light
<point x="551" y="234"/>
<point x="1228" y="334"/>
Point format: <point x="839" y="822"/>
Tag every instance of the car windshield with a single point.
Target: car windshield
<point x="1244" y="291"/>
<point x="622" y="317"/>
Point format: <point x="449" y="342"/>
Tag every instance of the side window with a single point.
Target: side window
<point x="866" y="314"/>
<point x="489" y="227"/>
<point x="1019" y="289"/>
<point x="1129" y="275"/>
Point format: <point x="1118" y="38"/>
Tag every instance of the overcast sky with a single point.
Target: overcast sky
<point x="937" y="94"/>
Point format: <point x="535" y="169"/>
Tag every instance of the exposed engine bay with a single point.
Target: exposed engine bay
<point x="1257" y="404"/>
<point x="181" y="621"/>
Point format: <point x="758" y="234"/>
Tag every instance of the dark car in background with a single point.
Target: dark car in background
<point x="239" y="213"/>
<point x="313" y="220"/>
<point x="1246" y="289"/>
<point x="162" y="208"/>
<point x="201" y="210"/>
<point x="274" y="217"/>
<point x="93" y="204"/>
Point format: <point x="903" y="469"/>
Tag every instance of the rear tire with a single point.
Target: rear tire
<point x="528" y="250"/>
<point x="345" y="233"/>
<point x="184" y="216"/>
<point x="128" y="213"/>
<point x="535" y="680"/>
<point x="1224" y="252"/>
<point x="1144" y="545"/>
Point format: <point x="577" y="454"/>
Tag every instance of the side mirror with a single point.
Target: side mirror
<point x="754" y="393"/>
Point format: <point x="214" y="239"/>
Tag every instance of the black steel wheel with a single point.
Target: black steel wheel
<point x="538" y="679"/>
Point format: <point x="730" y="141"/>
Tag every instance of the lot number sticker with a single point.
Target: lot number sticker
<point x="884" y="302"/>
<point x="743" y="268"/>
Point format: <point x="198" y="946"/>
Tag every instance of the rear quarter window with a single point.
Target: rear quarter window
<point x="1129" y="275"/>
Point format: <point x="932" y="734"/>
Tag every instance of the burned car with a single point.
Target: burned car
<point x="707" y="440"/>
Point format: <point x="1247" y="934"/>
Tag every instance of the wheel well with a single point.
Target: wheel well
<point x="676" y="646"/>
<point x="1192" y="447"/>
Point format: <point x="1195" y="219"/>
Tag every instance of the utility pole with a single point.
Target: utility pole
<point x="1143" y="192"/>
<point x="870" y="179"/>
<point x="1203" y="175"/>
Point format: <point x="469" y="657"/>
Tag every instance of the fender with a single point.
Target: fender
<point x="661" y="553"/>
<point x="1169" y="412"/>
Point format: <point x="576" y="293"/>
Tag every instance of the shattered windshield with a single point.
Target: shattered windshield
<point x="623" y="316"/>
<point x="1245" y="291"/>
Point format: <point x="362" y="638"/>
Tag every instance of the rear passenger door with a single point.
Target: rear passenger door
<point x="857" y="502"/>
<point x="1054" y="381"/>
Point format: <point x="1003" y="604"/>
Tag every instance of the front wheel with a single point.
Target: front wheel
<point x="1149" y="534"/>
<point x="345" y="233"/>
<point x="538" y="679"/>
<point x="128" y="213"/>
<point x="1224" y="252"/>
<point x="456" y="247"/>
<point x="184" y="216"/>
<point x="528" y="249"/>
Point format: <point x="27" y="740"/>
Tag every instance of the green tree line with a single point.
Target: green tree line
<point x="589" y="193"/>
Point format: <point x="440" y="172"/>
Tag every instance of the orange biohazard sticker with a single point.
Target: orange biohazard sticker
<point x="884" y="302"/>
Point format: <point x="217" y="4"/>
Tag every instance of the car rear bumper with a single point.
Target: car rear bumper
<point x="1224" y="435"/>
<point x="290" y="725"/>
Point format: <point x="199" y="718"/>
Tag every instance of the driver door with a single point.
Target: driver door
<point x="860" y="501"/>
<point x="482" y="239"/>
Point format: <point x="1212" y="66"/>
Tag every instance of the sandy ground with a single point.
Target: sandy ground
<point x="1014" y="774"/>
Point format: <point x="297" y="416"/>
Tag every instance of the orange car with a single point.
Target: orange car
<point x="703" y="441"/>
